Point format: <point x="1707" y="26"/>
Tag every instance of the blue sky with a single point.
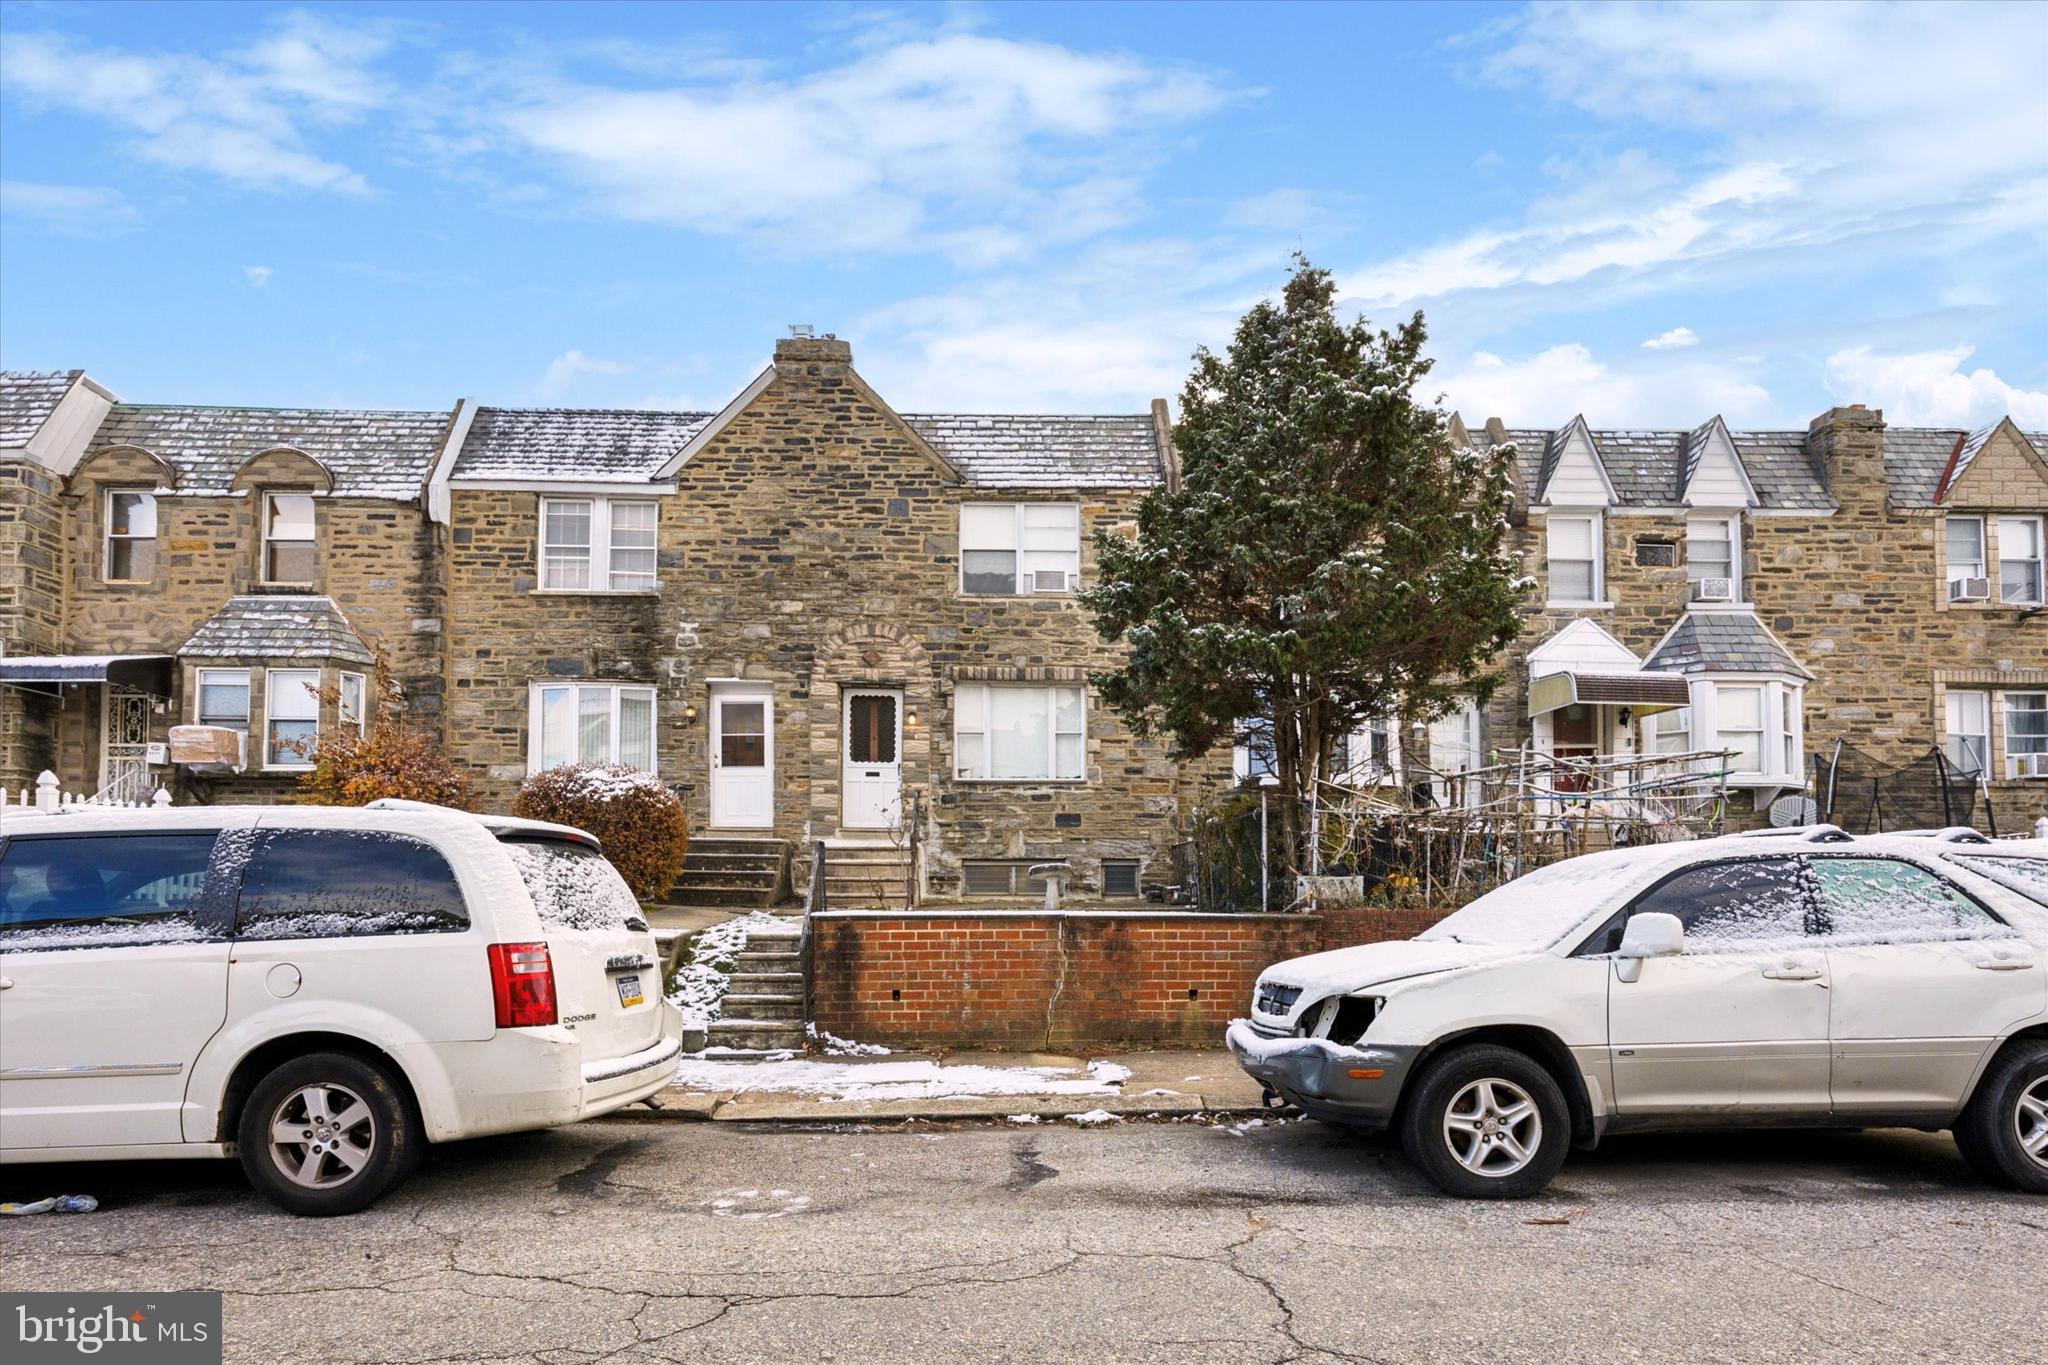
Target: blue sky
<point x="1650" y="214"/>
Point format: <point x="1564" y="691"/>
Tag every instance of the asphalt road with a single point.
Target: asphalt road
<point x="627" y="1241"/>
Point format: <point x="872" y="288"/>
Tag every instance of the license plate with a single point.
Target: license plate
<point x="629" y="991"/>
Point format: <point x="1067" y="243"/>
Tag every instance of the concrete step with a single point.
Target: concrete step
<point x="762" y="963"/>
<point x="732" y="843"/>
<point x="786" y="1007"/>
<point x="766" y="983"/>
<point x="720" y="878"/>
<point x="738" y="897"/>
<point x="760" y="1035"/>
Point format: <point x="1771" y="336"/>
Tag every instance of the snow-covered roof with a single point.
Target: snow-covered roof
<point x="1051" y="451"/>
<point x="573" y="444"/>
<point x="370" y="453"/>
<point x="1648" y="468"/>
<point x="278" y="627"/>
<point x="27" y="398"/>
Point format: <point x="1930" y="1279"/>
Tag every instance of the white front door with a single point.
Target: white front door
<point x="871" y="772"/>
<point x="742" y="759"/>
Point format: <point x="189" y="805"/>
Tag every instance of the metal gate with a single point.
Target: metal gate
<point x="124" y="745"/>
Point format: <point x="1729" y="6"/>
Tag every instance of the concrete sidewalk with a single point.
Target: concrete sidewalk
<point x="1161" y="1083"/>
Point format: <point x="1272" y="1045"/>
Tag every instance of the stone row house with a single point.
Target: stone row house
<point x="818" y="618"/>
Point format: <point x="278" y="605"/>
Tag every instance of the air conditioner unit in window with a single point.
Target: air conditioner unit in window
<point x="1713" y="590"/>
<point x="1969" y="590"/>
<point x="2029" y="765"/>
<point x="1048" y="580"/>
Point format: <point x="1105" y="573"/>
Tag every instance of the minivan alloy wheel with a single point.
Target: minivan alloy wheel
<point x="1493" y="1127"/>
<point x="2030" y="1121"/>
<point x="322" y="1135"/>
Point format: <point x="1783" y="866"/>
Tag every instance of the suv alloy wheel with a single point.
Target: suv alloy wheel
<point x="327" y="1133"/>
<point x="2003" y="1133"/>
<point x="1487" y="1122"/>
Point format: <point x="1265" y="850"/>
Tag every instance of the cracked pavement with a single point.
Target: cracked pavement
<point x="636" y="1241"/>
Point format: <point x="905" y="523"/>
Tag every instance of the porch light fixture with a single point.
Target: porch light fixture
<point x="910" y="716"/>
<point x="689" y="710"/>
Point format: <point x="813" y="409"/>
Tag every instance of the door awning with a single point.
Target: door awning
<point x="149" y="673"/>
<point x="1643" y="693"/>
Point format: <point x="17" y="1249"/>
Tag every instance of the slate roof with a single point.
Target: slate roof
<point x="27" y="398"/>
<point x="1914" y="458"/>
<point x="1645" y="467"/>
<point x="570" y="444"/>
<point x="371" y="454"/>
<point x="279" y="627"/>
<point x="1721" y="642"/>
<point x="998" y="451"/>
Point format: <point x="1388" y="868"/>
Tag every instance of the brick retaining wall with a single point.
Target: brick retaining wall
<point x="1026" y="979"/>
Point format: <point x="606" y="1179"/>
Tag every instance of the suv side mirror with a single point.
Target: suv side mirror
<point x="1650" y="934"/>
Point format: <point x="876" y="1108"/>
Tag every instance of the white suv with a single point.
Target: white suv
<point x="320" y="991"/>
<point x="1796" y="977"/>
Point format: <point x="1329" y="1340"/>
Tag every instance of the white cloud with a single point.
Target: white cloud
<point x="1931" y="389"/>
<point x="258" y="275"/>
<point x="1553" y="385"/>
<point x="244" y="116"/>
<point x="74" y="210"/>
<point x="568" y="371"/>
<point x="1677" y="339"/>
<point x="996" y="141"/>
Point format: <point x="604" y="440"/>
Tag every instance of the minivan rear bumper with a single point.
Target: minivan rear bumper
<point x="1316" y="1075"/>
<point x="617" y="1082"/>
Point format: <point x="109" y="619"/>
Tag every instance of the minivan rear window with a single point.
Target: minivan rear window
<point x="347" y="883"/>
<point x="2028" y="876"/>
<point x="572" y="885"/>
<point x="102" y="890"/>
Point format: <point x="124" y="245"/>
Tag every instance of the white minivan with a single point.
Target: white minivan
<point x="319" y="991"/>
<point x="1798" y="977"/>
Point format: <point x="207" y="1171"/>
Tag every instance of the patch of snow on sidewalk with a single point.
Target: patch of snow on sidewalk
<point x="1093" y="1118"/>
<point x="920" y="1080"/>
<point x="834" y="1046"/>
<point x="701" y="983"/>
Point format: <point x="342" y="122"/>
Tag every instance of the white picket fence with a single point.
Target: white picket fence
<point x="48" y="795"/>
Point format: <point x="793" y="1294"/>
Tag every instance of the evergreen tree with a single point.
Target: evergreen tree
<point x="1330" y="556"/>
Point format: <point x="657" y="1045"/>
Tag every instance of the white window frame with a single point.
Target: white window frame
<point x="1956" y="569"/>
<point x="1596" y="533"/>
<point x="2006" y="712"/>
<point x="2038" y="559"/>
<point x="1663" y="726"/>
<point x="109" y="540"/>
<point x="294" y="677"/>
<point x="356" y="713"/>
<point x="536" y="749"/>
<point x="601" y="575"/>
<point x="1022" y="585"/>
<point x="1956" y="727"/>
<point x="1782" y="740"/>
<point x="1762" y="728"/>
<point x="310" y="539"/>
<point x="230" y="677"/>
<point x="970" y="719"/>
<point x="1733" y="527"/>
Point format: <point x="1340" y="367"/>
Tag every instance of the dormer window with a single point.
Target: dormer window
<point x="131" y="536"/>
<point x="288" y="552"/>
<point x="1713" y="557"/>
<point x="1573" y="546"/>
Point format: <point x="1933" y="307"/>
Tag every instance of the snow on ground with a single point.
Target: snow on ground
<point x="834" y="1046"/>
<point x="921" y="1080"/>
<point x="701" y="983"/>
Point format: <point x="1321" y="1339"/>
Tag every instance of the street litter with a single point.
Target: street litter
<point x="62" y="1203"/>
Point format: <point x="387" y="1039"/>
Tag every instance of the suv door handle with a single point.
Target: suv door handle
<point x="1791" y="973"/>
<point x="2003" y="964"/>
<point x="6" y="982"/>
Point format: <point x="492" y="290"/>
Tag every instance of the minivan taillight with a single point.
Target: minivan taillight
<point x="522" y="984"/>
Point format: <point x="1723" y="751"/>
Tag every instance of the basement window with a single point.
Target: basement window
<point x="1120" y="877"/>
<point x="992" y="878"/>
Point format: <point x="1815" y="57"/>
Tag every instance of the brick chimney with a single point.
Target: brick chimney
<point x="1847" y="444"/>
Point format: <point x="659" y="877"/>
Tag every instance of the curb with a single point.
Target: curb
<point x="688" y="1106"/>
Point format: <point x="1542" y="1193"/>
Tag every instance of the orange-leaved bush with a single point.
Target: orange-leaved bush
<point x="353" y="770"/>
<point x="639" y="820"/>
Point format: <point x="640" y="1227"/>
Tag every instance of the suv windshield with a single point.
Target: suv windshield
<point x="1534" y="911"/>
<point x="572" y="885"/>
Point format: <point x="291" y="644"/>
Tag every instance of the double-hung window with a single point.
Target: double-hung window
<point x="291" y="717"/>
<point x="2020" y="561"/>
<point x="288" y="551"/>
<point x="597" y="544"/>
<point x="131" y="536"/>
<point x="1671" y="731"/>
<point x="1739" y="715"/>
<point x="1009" y="548"/>
<point x="224" y="698"/>
<point x="1712" y="559"/>
<point x="352" y="705"/>
<point x="1965" y="569"/>
<point x="1573" y="548"/>
<point x="1967" y="738"/>
<point x="1010" y="732"/>
<point x="591" y="723"/>
<point x="2026" y="733"/>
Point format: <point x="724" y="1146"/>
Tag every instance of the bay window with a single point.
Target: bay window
<point x="352" y="705"/>
<point x="2020" y="561"/>
<point x="1740" y="717"/>
<point x="1573" y="549"/>
<point x="1966" y="739"/>
<point x="1010" y="732"/>
<point x="131" y="537"/>
<point x="598" y="544"/>
<point x="291" y="717"/>
<point x="1670" y="732"/>
<point x="1713" y="552"/>
<point x="223" y="698"/>
<point x="590" y="723"/>
<point x="1009" y="549"/>
<point x="288" y="551"/>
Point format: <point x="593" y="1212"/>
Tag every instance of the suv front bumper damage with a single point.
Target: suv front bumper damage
<point x="1352" y="1085"/>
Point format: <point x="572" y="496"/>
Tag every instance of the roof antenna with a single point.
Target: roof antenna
<point x="802" y="330"/>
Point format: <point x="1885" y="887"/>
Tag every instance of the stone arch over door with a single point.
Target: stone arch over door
<point x="875" y="654"/>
